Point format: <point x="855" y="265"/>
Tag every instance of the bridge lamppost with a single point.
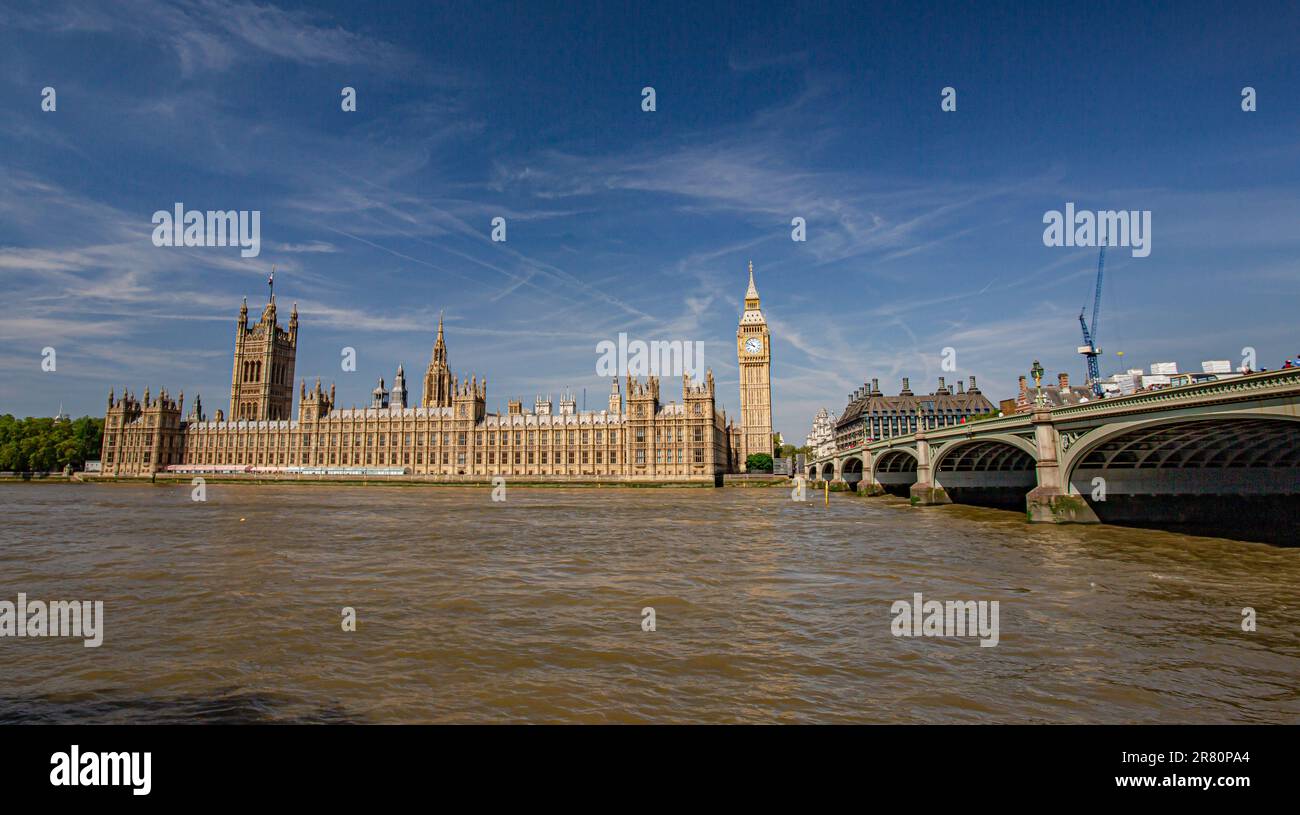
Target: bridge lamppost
<point x="1037" y="371"/>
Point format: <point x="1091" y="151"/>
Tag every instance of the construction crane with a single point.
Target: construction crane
<point x="1089" y="348"/>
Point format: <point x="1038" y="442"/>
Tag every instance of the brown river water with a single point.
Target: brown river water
<point x="529" y="610"/>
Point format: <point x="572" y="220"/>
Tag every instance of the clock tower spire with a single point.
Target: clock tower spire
<point x="754" y="353"/>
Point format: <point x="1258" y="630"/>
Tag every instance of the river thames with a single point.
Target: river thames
<point x="529" y="610"/>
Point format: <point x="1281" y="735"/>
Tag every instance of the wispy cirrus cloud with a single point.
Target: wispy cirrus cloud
<point x="205" y="35"/>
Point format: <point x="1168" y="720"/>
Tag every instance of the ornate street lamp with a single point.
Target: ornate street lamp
<point x="1037" y="372"/>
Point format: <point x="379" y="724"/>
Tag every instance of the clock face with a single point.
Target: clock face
<point x="753" y="345"/>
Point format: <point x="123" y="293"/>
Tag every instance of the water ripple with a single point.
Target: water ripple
<point x="766" y="610"/>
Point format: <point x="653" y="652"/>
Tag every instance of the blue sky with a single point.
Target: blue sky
<point x="924" y="227"/>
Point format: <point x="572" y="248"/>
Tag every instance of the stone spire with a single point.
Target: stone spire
<point x="439" y="384"/>
<point x="379" y="396"/>
<point x="751" y="294"/>
<point x="397" y="397"/>
<point x="439" y="345"/>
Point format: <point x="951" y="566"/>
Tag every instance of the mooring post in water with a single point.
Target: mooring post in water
<point x="827" y="485"/>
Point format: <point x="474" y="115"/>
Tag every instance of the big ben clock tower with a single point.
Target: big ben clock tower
<point x="754" y="352"/>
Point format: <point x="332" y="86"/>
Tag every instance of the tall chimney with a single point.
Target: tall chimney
<point x="972" y="387"/>
<point x="1064" y="381"/>
<point x="875" y="385"/>
<point x="1023" y="387"/>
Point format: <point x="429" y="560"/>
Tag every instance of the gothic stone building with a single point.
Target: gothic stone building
<point x="449" y="435"/>
<point x="821" y="441"/>
<point x="754" y="359"/>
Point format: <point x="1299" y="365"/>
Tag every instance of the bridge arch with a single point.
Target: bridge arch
<point x="828" y="471"/>
<point x="851" y="471"/>
<point x="1231" y="473"/>
<point x="993" y="471"/>
<point x="895" y="470"/>
<point x="962" y="446"/>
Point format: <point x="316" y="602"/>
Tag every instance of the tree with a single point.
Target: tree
<point x="758" y="462"/>
<point x="41" y="444"/>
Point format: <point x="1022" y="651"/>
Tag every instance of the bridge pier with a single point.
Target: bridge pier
<point x="1051" y="502"/>
<point x="925" y="493"/>
<point x="869" y="485"/>
<point x="1220" y="457"/>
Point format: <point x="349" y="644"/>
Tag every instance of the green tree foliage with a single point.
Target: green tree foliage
<point x="43" y="445"/>
<point x="758" y="462"/>
<point x="790" y="451"/>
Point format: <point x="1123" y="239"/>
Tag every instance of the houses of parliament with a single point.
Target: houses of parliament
<point x="449" y="435"/>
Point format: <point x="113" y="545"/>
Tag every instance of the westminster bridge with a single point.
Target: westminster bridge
<point x="1221" y="457"/>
